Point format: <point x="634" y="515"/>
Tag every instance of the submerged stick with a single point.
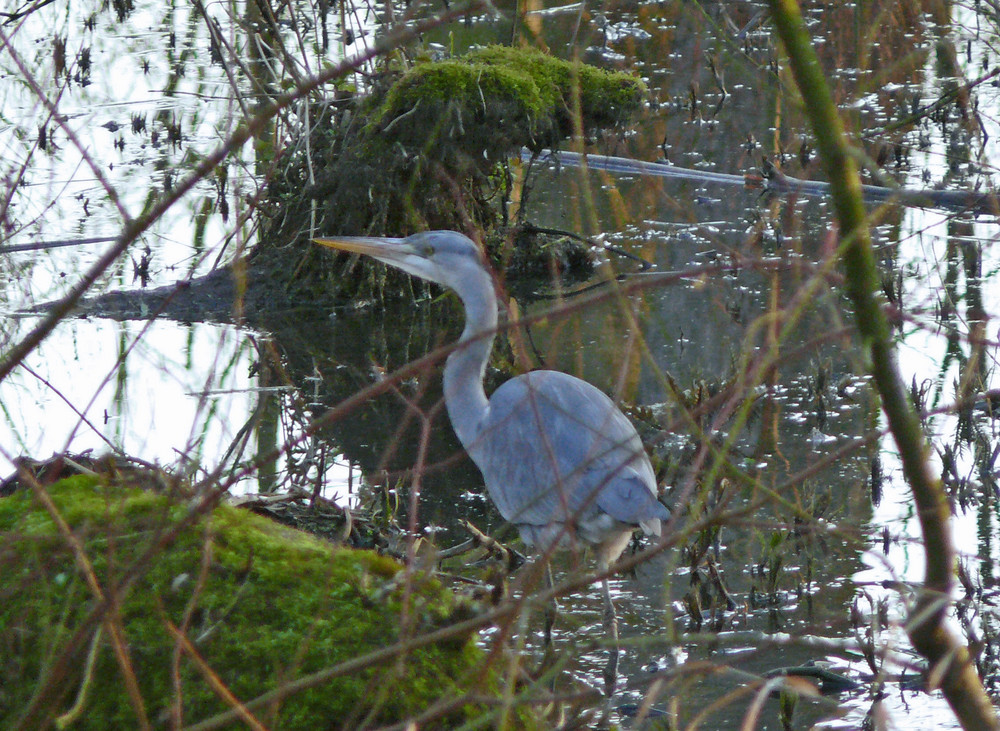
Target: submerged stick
<point x="954" y="200"/>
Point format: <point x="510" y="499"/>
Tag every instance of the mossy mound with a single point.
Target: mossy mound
<point x="260" y="603"/>
<point x="425" y="150"/>
<point x="495" y="100"/>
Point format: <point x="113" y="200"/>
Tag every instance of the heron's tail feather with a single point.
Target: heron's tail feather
<point x="651" y="527"/>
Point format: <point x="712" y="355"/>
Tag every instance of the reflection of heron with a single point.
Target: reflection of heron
<point x="560" y="461"/>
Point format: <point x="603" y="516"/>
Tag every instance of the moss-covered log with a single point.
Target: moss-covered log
<point x="477" y="110"/>
<point x="260" y="605"/>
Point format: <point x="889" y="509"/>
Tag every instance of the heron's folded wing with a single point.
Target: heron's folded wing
<point x="552" y="445"/>
<point x="626" y="497"/>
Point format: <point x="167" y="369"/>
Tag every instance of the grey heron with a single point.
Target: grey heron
<point x="559" y="459"/>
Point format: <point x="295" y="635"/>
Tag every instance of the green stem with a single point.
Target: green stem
<point x="950" y="660"/>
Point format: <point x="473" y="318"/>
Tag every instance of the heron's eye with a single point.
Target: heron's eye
<point x="428" y="251"/>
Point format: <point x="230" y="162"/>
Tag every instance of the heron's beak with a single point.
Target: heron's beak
<point x="377" y="246"/>
<point x="395" y="252"/>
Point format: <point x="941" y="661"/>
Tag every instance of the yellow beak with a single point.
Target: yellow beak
<point x="369" y="245"/>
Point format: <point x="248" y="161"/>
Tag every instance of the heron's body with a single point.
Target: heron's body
<point x="597" y="482"/>
<point x="559" y="459"/>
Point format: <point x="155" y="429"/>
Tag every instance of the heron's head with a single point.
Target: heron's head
<point x="443" y="257"/>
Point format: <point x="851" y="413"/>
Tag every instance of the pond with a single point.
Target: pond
<point x="735" y="353"/>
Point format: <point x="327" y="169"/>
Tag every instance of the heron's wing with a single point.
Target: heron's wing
<point x="627" y="498"/>
<point x="554" y="448"/>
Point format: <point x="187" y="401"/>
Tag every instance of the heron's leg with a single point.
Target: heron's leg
<point x="611" y="631"/>
<point x="551" y="607"/>
<point x="551" y="611"/>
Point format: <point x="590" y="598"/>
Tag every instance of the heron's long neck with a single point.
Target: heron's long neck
<point x="463" y="373"/>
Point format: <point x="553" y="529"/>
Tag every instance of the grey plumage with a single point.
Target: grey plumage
<point x="559" y="459"/>
<point x="562" y="462"/>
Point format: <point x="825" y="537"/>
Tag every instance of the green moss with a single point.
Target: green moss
<point x="607" y="98"/>
<point x="497" y="99"/>
<point x="267" y="604"/>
